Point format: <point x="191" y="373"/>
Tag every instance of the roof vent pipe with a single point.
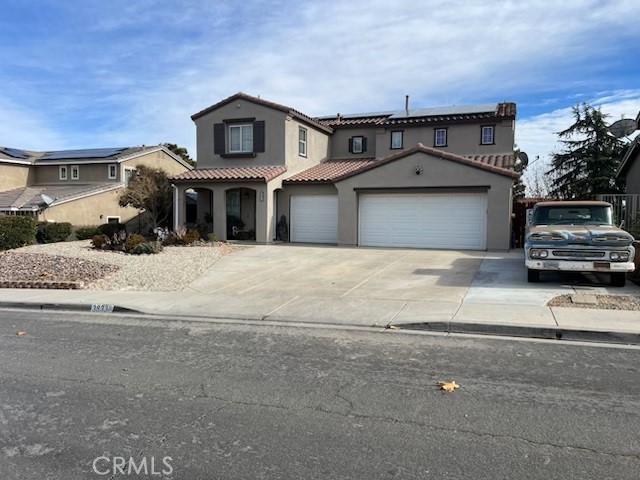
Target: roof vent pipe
<point x="406" y="104"/>
<point x="339" y="117"/>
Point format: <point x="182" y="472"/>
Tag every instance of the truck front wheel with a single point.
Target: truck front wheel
<point x="533" y="276"/>
<point x="618" y="279"/>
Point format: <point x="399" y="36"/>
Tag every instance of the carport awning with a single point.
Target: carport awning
<point x="225" y="174"/>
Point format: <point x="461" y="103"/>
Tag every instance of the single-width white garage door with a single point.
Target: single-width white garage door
<point x="314" y="218"/>
<point x="425" y="220"/>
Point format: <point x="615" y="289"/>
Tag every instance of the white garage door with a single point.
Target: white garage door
<point x="429" y="220"/>
<point x="314" y="218"/>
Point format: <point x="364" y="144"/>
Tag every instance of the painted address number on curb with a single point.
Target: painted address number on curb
<point x="101" y="308"/>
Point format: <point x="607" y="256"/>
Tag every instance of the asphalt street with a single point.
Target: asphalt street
<point x="209" y="401"/>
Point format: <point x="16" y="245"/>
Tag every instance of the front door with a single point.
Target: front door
<point x="241" y="214"/>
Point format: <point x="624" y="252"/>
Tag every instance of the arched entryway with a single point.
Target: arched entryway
<point x="241" y="214"/>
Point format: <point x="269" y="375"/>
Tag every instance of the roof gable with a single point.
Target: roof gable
<point x="265" y="103"/>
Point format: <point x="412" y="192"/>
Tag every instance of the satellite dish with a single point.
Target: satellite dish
<point x="623" y="128"/>
<point x="524" y="159"/>
<point x="46" y="199"/>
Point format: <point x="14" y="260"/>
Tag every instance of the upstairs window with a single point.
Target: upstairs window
<point x="75" y="172"/>
<point x="113" y="172"/>
<point x="302" y="142"/>
<point x="396" y="140"/>
<point x="440" y="137"/>
<point x="357" y="144"/>
<point x="241" y="138"/>
<point x="486" y="135"/>
<point x="62" y="172"/>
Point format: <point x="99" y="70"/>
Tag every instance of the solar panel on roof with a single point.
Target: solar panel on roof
<point x="449" y="110"/>
<point x="86" y="153"/>
<point x="14" y="152"/>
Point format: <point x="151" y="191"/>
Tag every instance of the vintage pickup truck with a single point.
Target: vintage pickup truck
<point x="579" y="237"/>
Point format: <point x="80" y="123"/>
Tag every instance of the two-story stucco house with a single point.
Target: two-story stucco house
<point x="77" y="186"/>
<point x="426" y="177"/>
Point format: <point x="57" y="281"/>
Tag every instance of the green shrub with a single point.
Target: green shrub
<point x="212" y="237"/>
<point x="146" y="248"/>
<point x="52" y="232"/>
<point x="191" y="236"/>
<point x="85" y="233"/>
<point x="133" y="241"/>
<point x="16" y="231"/>
<point x="99" y="241"/>
<point x="110" y="229"/>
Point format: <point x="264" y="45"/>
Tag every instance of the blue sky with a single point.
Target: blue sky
<point x="97" y="73"/>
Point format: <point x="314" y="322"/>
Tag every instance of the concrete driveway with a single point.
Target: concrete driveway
<point x="312" y="283"/>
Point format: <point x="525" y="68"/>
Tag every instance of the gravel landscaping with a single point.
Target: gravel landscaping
<point x="602" y="302"/>
<point x="170" y="270"/>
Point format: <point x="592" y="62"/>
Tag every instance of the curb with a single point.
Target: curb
<point x="75" y="307"/>
<point x="546" y="333"/>
<point x="523" y="331"/>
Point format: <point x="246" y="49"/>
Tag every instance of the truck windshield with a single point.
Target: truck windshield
<point x="582" y="215"/>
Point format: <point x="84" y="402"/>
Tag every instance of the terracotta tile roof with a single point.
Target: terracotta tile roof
<point x="331" y="170"/>
<point x="504" y="160"/>
<point x="222" y="174"/>
<point x="265" y="103"/>
<point x="424" y="115"/>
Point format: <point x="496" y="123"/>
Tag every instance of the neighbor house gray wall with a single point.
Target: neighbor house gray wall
<point x="633" y="176"/>
<point x="436" y="172"/>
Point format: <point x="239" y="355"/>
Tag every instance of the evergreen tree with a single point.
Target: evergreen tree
<point x="181" y="152"/>
<point x="518" y="186"/>
<point x="587" y="164"/>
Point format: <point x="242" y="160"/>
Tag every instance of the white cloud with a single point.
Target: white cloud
<point x="156" y="64"/>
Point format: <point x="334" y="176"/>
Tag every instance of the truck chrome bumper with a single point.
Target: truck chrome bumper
<point x="566" y="265"/>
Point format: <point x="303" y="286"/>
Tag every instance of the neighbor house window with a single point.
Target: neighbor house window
<point x="440" y="137"/>
<point x="62" y="172"/>
<point x="113" y="219"/>
<point x="241" y="138"/>
<point x="128" y="173"/>
<point x="75" y="172"/>
<point x="357" y="144"/>
<point x="113" y="172"/>
<point x="486" y="137"/>
<point x="396" y="140"/>
<point x="302" y="142"/>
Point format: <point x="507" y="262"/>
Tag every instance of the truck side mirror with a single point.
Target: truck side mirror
<point x="622" y="223"/>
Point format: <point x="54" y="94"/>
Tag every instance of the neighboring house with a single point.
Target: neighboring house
<point x="77" y="186"/>
<point x="630" y="166"/>
<point x="427" y="177"/>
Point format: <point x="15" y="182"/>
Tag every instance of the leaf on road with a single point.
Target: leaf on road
<point x="21" y="333"/>
<point x="448" y="386"/>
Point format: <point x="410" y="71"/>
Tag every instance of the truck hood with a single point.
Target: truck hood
<point x="595" y="235"/>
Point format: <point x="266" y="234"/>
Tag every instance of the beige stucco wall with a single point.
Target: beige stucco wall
<point x="340" y="142"/>
<point x="462" y="139"/>
<point x="317" y="146"/>
<point x="159" y="159"/>
<point x="274" y="135"/>
<point x="633" y="177"/>
<point x="88" y="210"/>
<point x="436" y="173"/>
<point x="14" y="176"/>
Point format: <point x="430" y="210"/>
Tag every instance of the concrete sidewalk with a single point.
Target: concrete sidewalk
<point x="468" y="317"/>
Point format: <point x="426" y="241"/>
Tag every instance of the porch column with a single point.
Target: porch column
<point x="220" y="213"/>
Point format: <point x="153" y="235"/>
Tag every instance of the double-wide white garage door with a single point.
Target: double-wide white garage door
<point x="424" y="220"/>
<point x="421" y="220"/>
<point x="314" y="218"/>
